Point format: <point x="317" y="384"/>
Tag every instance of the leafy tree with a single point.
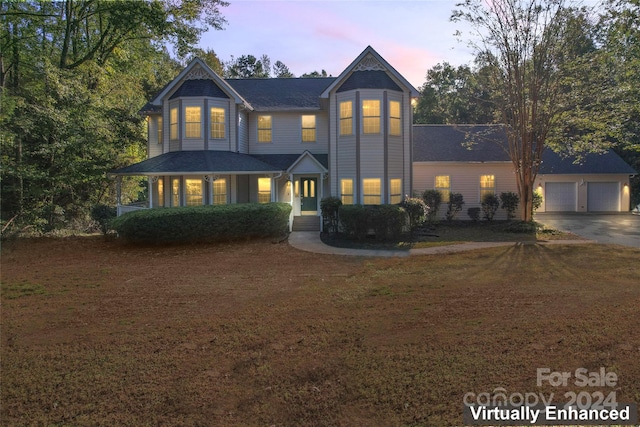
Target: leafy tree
<point x="456" y="201"/>
<point x="281" y="71"/>
<point x="529" y="49"/>
<point x="509" y="202"/>
<point x="73" y="75"/>
<point x="250" y="67"/>
<point x="210" y="58"/>
<point x="433" y="200"/>
<point x="453" y="95"/>
<point x="323" y="73"/>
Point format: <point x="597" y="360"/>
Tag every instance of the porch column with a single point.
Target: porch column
<point x="291" y="187"/>
<point x="323" y="176"/>
<point x="118" y="190"/>
<point x="151" y="181"/>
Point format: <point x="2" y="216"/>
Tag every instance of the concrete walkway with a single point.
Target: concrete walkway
<point x="309" y="241"/>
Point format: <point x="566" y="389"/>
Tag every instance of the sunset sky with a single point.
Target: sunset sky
<point x="309" y="36"/>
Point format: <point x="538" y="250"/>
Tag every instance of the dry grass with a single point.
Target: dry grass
<point x="95" y="333"/>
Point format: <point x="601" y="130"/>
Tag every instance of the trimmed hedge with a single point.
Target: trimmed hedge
<point x="204" y="223"/>
<point x="387" y="221"/>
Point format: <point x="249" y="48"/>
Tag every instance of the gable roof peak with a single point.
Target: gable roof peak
<point x="370" y="60"/>
<point x="197" y="69"/>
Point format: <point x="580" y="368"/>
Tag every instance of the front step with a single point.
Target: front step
<point x="306" y="223"/>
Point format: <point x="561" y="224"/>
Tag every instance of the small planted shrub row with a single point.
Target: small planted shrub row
<point x="386" y="221"/>
<point x="204" y="223"/>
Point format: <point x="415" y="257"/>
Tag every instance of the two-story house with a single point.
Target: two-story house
<point x="216" y="141"/>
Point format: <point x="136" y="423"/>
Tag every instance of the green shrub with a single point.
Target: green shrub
<point x="525" y="227"/>
<point x="456" y="201"/>
<point x="353" y="220"/>
<point x="433" y="200"/>
<point x="103" y="215"/>
<point x="417" y="211"/>
<point x="204" y="223"/>
<point x="510" y="203"/>
<point x="537" y="200"/>
<point x="387" y="221"/>
<point x="490" y="204"/>
<point x="474" y="214"/>
<point x="329" y="207"/>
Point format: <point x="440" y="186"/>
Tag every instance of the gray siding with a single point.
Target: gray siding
<point x="286" y="134"/>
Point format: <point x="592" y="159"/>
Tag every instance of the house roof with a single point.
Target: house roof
<point x="204" y="72"/>
<point x="209" y="161"/>
<point x="370" y="60"/>
<point x="199" y="87"/>
<point x="198" y="162"/>
<point x="369" y="80"/>
<point x="451" y="143"/>
<point x="591" y="163"/>
<point x="278" y="94"/>
<point x="285" y="161"/>
<point x="282" y="93"/>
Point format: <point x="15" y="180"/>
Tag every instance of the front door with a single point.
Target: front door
<point x="308" y="194"/>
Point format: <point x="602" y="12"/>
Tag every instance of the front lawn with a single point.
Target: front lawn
<point x="259" y="334"/>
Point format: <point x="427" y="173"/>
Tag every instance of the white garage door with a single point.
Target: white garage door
<point x="603" y="197"/>
<point x="560" y="197"/>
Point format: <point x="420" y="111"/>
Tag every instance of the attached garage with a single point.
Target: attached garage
<point x="560" y="196"/>
<point x="603" y="197"/>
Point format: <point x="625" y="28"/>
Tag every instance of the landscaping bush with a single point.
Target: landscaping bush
<point x="417" y="211"/>
<point x="353" y="220"/>
<point x="525" y="227"/>
<point x="474" y="214"/>
<point x="490" y="204"/>
<point x="433" y="200"/>
<point x="537" y="200"/>
<point x="387" y="221"/>
<point x="510" y="203"/>
<point x="456" y="201"/>
<point x="103" y="215"/>
<point x="204" y="223"/>
<point x="329" y="207"/>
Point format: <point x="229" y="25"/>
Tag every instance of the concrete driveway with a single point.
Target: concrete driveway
<point x="615" y="228"/>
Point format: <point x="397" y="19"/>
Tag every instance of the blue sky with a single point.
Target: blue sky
<point x="412" y="36"/>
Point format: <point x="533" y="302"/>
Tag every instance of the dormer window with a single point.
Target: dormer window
<point x="192" y="122"/>
<point x="173" y="123"/>
<point x="371" y="116"/>
<point x="309" y="128"/>
<point x="217" y="123"/>
<point x="264" y="128"/>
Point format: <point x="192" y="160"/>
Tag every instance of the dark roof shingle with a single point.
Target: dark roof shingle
<point x="282" y="94"/>
<point x="201" y="161"/>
